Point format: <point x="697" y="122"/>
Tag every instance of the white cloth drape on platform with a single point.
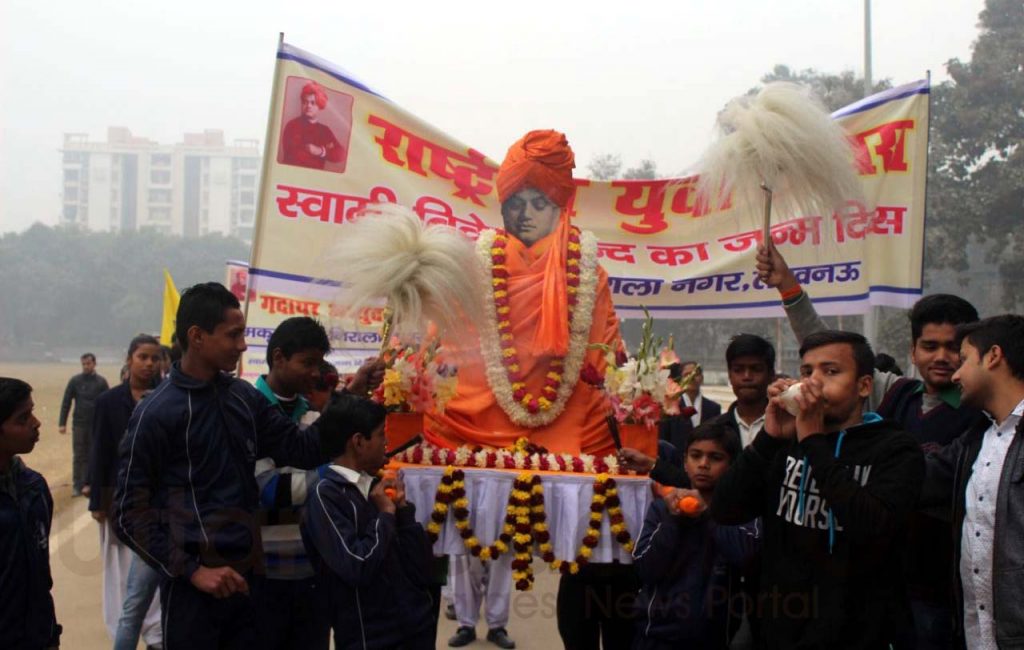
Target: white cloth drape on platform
<point x="566" y="502"/>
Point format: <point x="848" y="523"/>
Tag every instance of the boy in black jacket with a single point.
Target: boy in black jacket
<point x="835" y="488"/>
<point x="367" y="549"/>
<point x="689" y="565"/>
<point x="27" y="619"/>
<point x="186" y="498"/>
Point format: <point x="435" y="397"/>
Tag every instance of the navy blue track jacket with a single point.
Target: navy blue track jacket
<point x="186" y="492"/>
<point x="375" y="565"/>
<point x="113" y="410"/>
<point x="27" y="619"/>
<point x="690" y="570"/>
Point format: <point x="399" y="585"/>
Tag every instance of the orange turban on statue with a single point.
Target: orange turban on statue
<point x="542" y="160"/>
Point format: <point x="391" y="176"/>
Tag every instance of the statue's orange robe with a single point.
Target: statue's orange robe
<point x="473" y="416"/>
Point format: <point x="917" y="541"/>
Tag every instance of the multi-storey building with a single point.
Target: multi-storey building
<point x="198" y="186"/>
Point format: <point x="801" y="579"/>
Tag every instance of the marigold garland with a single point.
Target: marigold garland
<point x="504" y="372"/>
<point x="605" y="499"/>
<point x="526" y="524"/>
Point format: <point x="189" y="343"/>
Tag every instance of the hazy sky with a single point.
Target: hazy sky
<point x="643" y="79"/>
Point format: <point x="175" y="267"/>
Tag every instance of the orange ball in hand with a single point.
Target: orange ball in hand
<point x="390" y="493"/>
<point x="689" y="505"/>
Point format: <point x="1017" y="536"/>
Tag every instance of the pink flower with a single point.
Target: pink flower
<point x="644" y="407"/>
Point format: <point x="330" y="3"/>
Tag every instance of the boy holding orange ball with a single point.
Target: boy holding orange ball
<point x="689" y="565"/>
<point x="371" y="557"/>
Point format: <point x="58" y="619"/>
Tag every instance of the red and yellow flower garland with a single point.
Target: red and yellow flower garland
<point x="606" y="498"/>
<point x="526" y="524"/>
<point x="509" y="354"/>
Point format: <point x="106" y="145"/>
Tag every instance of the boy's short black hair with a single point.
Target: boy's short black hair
<point x="940" y="309"/>
<point x="863" y="356"/>
<point x="88" y="355"/>
<point x="328" y="377"/>
<point x="1006" y="331"/>
<point x="203" y="305"/>
<point x="750" y="345"/>
<point x="675" y="371"/>
<point x="717" y="431"/>
<point x="12" y="393"/>
<point x="295" y="335"/>
<point x="886" y="363"/>
<point x="345" y="416"/>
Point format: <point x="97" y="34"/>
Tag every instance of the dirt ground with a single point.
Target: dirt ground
<point x="74" y="542"/>
<point x="52" y="455"/>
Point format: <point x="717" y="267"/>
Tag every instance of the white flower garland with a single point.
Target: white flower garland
<point x="582" y="318"/>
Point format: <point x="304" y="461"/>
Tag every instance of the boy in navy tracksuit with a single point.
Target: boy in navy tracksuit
<point x="368" y="550"/>
<point x="835" y="488"/>
<point x="688" y="564"/>
<point x="293" y="611"/>
<point x="27" y="619"/>
<point x="186" y="498"/>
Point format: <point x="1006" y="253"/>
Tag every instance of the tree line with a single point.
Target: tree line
<point x="64" y="287"/>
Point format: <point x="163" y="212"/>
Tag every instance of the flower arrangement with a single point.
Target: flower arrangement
<point x="522" y="456"/>
<point x="416" y="379"/>
<point x="503" y="364"/>
<point x="639" y="390"/>
<point x="525" y="524"/>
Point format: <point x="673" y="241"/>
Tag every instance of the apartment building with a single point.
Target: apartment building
<point x="198" y="186"/>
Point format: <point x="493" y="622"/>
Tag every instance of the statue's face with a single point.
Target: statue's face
<point x="529" y="215"/>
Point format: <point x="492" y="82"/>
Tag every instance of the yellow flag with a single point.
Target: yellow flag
<point x="171" y="298"/>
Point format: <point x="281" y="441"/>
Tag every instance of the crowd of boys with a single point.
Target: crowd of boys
<point x="859" y="510"/>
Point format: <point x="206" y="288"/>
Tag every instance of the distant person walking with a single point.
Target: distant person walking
<point x="83" y="389"/>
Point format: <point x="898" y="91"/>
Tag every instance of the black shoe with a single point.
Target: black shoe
<point x="499" y="637"/>
<point x="463" y="636"/>
<point x="449" y="612"/>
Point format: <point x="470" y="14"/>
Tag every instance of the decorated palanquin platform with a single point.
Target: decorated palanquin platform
<point x="566" y="518"/>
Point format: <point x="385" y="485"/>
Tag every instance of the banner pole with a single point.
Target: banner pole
<point x="927" y="172"/>
<point x="257" y="226"/>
